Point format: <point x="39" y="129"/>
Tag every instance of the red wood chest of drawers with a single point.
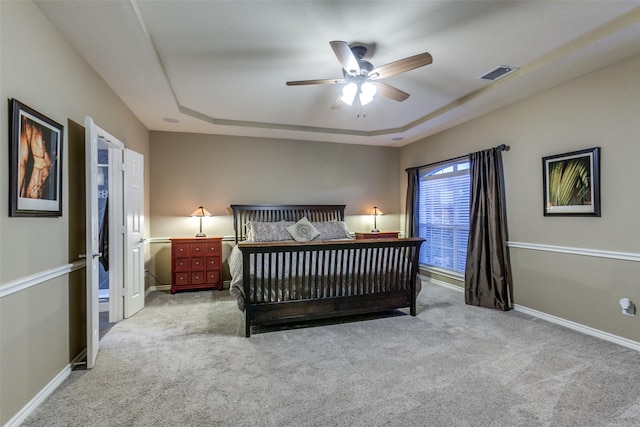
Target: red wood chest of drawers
<point x="196" y="263"/>
<point x="378" y="235"/>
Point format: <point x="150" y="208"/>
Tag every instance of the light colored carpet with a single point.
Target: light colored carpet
<point x="183" y="361"/>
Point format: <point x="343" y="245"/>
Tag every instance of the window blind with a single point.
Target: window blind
<point x="443" y="215"/>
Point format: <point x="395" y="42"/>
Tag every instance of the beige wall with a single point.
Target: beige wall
<point x="41" y="70"/>
<point x="600" y="109"/>
<point x="217" y="171"/>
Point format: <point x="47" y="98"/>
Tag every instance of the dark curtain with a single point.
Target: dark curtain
<point x="487" y="275"/>
<point x="411" y="219"/>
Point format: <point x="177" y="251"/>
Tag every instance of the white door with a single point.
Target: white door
<point x="134" y="232"/>
<point x="92" y="238"/>
<point x="93" y="136"/>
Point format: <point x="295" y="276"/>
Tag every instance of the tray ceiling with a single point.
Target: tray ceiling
<point x="220" y="67"/>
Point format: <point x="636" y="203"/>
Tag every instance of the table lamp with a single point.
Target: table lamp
<point x="200" y="212"/>
<point x="375" y="212"/>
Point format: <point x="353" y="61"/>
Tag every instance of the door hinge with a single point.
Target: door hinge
<point x="123" y="167"/>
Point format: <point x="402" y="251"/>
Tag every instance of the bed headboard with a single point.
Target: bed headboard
<point x="273" y="213"/>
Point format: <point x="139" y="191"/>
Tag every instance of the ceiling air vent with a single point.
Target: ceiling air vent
<point x="498" y="72"/>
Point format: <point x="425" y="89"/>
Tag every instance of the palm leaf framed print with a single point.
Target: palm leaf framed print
<point x="572" y="183"/>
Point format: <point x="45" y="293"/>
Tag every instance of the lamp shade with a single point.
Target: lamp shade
<point x="201" y="212"/>
<point x="376" y="211"/>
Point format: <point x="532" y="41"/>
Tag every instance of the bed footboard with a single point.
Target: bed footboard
<point x="290" y="281"/>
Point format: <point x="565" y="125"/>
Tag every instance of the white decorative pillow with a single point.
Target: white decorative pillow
<point x="268" y="231"/>
<point x="332" y="230"/>
<point x="303" y="231"/>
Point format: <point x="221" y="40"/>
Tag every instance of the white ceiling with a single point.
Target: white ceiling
<point x="220" y="67"/>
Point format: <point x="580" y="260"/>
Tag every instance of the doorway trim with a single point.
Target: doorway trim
<point x="116" y="249"/>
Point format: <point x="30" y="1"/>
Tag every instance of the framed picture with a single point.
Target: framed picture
<point x="35" y="157"/>
<point x="572" y="183"/>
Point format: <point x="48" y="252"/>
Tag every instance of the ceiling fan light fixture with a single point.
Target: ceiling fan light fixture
<point x="367" y="92"/>
<point x="349" y="93"/>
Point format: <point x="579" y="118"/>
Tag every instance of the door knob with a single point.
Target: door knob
<point x="94" y="255"/>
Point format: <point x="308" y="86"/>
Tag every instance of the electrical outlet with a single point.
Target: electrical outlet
<point x="628" y="307"/>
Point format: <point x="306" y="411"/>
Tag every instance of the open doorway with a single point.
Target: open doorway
<point x="103" y="225"/>
<point x="114" y="231"/>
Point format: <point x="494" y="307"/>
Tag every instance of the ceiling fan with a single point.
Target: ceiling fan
<point x="362" y="80"/>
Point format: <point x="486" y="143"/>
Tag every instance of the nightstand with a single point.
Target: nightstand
<point x="196" y="263"/>
<point x="378" y="235"/>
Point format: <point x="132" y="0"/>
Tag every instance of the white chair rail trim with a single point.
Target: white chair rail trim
<point x="625" y="256"/>
<point x="38" y="278"/>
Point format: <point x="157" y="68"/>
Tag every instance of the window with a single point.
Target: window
<point x="443" y="215"/>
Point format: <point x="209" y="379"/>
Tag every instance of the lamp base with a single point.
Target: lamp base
<point x="201" y="234"/>
<point x="375" y="230"/>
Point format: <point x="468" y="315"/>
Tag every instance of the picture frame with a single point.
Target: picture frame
<point x="571" y="183"/>
<point x="35" y="157"/>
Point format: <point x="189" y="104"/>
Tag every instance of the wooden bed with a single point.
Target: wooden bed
<point x="289" y="281"/>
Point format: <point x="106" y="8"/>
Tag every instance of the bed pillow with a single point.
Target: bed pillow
<point x="332" y="230"/>
<point x="268" y="231"/>
<point x="303" y="231"/>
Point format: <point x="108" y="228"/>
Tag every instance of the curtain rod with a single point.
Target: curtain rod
<point x="501" y="147"/>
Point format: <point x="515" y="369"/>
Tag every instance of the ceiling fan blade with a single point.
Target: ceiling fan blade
<point x="390" y="92"/>
<point x="400" y="66"/>
<point x="337" y="103"/>
<point x="315" y="82"/>
<point x="346" y="57"/>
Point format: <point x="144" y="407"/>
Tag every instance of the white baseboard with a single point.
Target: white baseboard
<point x="587" y="330"/>
<point x="39" y="398"/>
<point x="225" y="285"/>
<point x="634" y="345"/>
<point x="158" y="288"/>
<point x="445" y="284"/>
